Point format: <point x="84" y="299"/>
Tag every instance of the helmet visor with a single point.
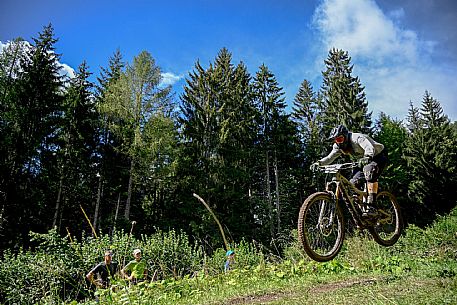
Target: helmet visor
<point x="339" y="139"/>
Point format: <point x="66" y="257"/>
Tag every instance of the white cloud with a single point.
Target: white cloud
<point x="67" y="70"/>
<point x="24" y="46"/>
<point x="391" y="89"/>
<point x="360" y="27"/>
<point x="393" y="63"/>
<point x="169" y="78"/>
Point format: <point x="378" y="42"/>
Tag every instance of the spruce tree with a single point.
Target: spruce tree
<point x="431" y="157"/>
<point x="344" y="97"/>
<point x="76" y="155"/>
<point x="272" y="122"/>
<point x="218" y="134"/>
<point x="113" y="164"/>
<point x="35" y="102"/>
<point x="307" y="115"/>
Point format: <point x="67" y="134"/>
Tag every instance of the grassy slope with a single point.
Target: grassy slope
<point x="420" y="269"/>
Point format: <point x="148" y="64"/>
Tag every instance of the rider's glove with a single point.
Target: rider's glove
<point x="364" y="161"/>
<point x="314" y="166"/>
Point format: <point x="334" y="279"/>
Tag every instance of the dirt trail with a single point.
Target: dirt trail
<point x="276" y="296"/>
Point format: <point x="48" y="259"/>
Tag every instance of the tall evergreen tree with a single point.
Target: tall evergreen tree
<point x="76" y="149"/>
<point x="9" y="71"/>
<point x="272" y="122"/>
<point x="344" y="97"/>
<point x="113" y="166"/>
<point x="414" y="121"/>
<point x="33" y="107"/>
<point x="307" y="115"/>
<point x="305" y="111"/>
<point x="236" y="140"/>
<point x="431" y="156"/>
<point x="218" y="134"/>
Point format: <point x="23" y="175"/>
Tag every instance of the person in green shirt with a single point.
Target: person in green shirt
<point x="136" y="270"/>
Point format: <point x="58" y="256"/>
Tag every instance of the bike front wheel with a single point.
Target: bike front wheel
<point x="321" y="226"/>
<point x="389" y="224"/>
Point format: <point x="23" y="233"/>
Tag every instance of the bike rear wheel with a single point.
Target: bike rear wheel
<point x="321" y="227"/>
<point x="389" y="224"/>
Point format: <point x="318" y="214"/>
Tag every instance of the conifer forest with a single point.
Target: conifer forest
<point x="82" y="156"/>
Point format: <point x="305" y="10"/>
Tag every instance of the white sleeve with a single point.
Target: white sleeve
<point x="367" y="146"/>
<point x="335" y="153"/>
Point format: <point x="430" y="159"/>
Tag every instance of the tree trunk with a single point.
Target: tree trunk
<point x="129" y="193"/>
<point x="59" y="196"/>
<point x="269" y="199"/>
<point x="117" y="210"/>
<point x="278" y="214"/>
<point x="97" y="204"/>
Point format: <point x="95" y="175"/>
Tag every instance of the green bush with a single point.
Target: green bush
<point x="55" y="271"/>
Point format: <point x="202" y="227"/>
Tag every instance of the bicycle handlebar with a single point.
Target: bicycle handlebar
<point x="334" y="168"/>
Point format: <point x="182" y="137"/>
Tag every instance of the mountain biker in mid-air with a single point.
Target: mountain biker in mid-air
<point x="373" y="161"/>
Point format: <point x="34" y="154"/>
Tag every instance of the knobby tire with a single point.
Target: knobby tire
<point x="388" y="230"/>
<point x="321" y="240"/>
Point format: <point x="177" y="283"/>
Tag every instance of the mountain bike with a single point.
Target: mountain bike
<point x="321" y="221"/>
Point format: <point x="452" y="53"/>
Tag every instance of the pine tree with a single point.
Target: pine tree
<point x="344" y="97"/>
<point x="431" y="157"/>
<point x="307" y="115"/>
<point x="113" y="165"/>
<point x="35" y="101"/>
<point x="305" y="111"/>
<point x="219" y="132"/>
<point x="76" y="154"/>
<point x="271" y="106"/>
<point x="414" y="121"/>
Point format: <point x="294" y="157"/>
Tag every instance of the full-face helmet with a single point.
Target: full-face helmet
<point x="340" y="135"/>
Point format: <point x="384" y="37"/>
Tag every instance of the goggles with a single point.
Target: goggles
<point x="339" y="139"/>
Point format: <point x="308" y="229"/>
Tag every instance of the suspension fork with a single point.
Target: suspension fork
<point x="324" y="204"/>
<point x="321" y="213"/>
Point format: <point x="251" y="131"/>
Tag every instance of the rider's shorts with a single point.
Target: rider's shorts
<point x="372" y="170"/>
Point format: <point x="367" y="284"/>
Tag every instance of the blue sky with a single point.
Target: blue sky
<point x="399" y="48"/>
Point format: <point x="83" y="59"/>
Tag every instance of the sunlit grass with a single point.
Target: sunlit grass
<point x="410" y="272"/>
<point x="420" y="269"/>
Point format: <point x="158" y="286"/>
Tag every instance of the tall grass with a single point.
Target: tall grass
<point x="183" y="274"/>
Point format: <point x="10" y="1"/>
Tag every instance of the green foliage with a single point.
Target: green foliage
<point x="234" y="145"/>
<point x="431" y="156"/>
<point x="393" y="136"/>
<point x="140" y="115"/>
<point x="70" y="164"/>
<point x="344" y="97"/>
<point x="398" y="265"/>
<point x="30" y="105"/>
<point x="307" y="115"/>
<point x="55" y="271"/>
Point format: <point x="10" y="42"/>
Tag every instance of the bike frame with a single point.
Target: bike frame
<point x="339" y="188"/>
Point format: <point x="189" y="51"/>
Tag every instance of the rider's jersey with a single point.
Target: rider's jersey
<point x="361" y="145"/>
